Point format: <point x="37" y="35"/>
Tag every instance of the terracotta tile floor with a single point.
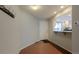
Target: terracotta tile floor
<point x="40" y="48"/>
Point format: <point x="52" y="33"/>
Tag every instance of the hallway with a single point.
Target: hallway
<point x="22" y="26"/>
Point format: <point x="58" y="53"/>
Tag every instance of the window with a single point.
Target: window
<point x="58" y="26"/>
<point x="63" y="23"/>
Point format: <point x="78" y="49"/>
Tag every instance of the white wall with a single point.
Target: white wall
<point x="29" y="30"/>
<point x="9" y="34"/>
<point x="61" y="39"/>
<point x="75" y="32"/>
<point x="43" y="29"/>
<point x="17" y="33"/>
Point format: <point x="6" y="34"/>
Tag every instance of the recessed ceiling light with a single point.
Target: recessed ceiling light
<point x="69" y="15"/>
<point x="55" y="12"/>
<point x="61" y="6"/>
<point x="35" y="7"/>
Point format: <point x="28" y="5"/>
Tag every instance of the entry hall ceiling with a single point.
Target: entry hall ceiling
<point x="42" y="11"/>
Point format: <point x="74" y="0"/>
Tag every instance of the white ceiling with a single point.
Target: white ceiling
<point x="44" y="12"/>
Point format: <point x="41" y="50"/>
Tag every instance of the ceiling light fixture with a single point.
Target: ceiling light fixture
<point x="35" y="7"/>
<point x="55" y="12"/>
<point x="69" y="15"/>
<point x="61" y="7"/>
